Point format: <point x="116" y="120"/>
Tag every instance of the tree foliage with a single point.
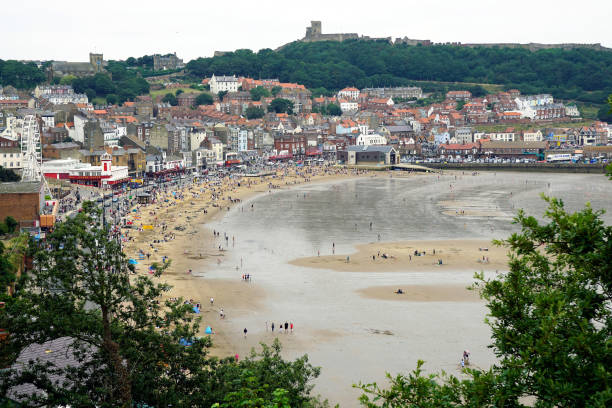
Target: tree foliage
<point x="550" y="317"/>
<point x="8" y="175"/>
<point x="125" y="338"/>
<point x="254" y="381"/>
<point x="254" y="112"/>
<point x="122" y="82"/>
<point x="20" y="75"/>
<point x="259" y="92"/>
<point x="275" y="90"/>
<point x="281" y="105"/>
<point x="204" y="99"/>
<point x="581" y="74"/>
<point x="170" y="98"/>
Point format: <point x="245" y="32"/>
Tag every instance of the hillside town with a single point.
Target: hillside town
<point x="151" y="137"/>
<point x="338" y="220"/>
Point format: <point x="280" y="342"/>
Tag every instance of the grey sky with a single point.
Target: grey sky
<point x="70" y="29"/>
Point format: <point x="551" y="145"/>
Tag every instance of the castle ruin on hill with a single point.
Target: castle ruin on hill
<point x="314" y="33"/>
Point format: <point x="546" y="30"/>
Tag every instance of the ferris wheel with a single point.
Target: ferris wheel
<point x="31" y="152"/>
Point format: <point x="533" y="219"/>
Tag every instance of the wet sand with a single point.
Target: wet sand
<point x="346" y="316"/>
<point x="421" y="293"/>
<point x="194" y="247"/>
<point x="400" y="257"/>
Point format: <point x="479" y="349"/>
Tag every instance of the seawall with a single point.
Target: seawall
<point x="598" y="168"/>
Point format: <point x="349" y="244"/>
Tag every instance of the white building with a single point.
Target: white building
<point x="79" y="128"/>
<point x="370" y="140"/>
<point x="348" y="93"/>
<point x="502" y="137"/>
<point x="48" y="119"/>
<point x="59" y="94"/>
<point x="11" y="158"/>
<point x="533" y="136"/>
<point x="463" y="135"/>
<point x="238" y="139"/>
<point x="106" y="175"/>
<point x="572" y="110"/>
<point x="347" y="105"/>
<point x="223" y="83"/>
<point x="533" y="100"/>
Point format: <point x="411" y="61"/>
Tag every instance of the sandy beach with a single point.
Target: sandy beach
<point x="454" y="255"/>
<point x="175" y="228"/>
<point x="421" y="293"/>
<point x="294" y="243"/>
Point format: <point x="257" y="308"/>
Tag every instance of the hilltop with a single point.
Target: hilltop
<point x="580" y="73"/>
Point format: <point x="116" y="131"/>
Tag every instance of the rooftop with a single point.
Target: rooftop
<point x="381" y="149"/>
<point x="20" y="187"/>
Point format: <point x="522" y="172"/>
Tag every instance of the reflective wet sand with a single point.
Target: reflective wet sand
<point x="343" y="319"/>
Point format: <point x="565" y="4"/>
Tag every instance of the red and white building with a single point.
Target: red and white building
<point x="104" y="176"/>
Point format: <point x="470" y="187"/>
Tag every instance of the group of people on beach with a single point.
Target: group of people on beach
<point x="287" y="327"/>
<point x="165" y="212"/>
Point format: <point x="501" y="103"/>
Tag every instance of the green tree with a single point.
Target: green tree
<point x="20" y="75"/>
<point x="7" y="175"/>
<point x="321" y="91"/>
<point x="550" y="318"/>
<point x="275" y="90"/>
<point x="170" y="98"/>
<point x="7" y="273"/>
<point x="67" y="79"/>
<point x="579" y="74"/>
<point x="91" y="94"/>
<point x="254" y="112"/>
<point x="609" y="166"/>
<point x="178" y="92"/>
<point x="11" y="224"/>
<point x="550" y="314"/>
<point x="111" y="99"/>
<point x="221" y="95"/>
<point x="280" y="105"/>
<point x="259" y="92"/>
<point x="432" y="391"/>
<point x="257" y="380"/>
<point x="333" y="110"/>
<point x="204" y="99"/>
<point x="133" y="348"/>
<point x="127" y="341"/>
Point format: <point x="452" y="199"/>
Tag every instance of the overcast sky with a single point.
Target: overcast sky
<point x="70" y="29"/>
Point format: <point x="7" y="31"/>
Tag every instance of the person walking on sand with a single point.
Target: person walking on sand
<point x="272" y="327"/>
<point x="212" y="300"/>
<point x="286" y="327"/>
<point x="291" y="326"/>
<point x="245" y="333"/>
